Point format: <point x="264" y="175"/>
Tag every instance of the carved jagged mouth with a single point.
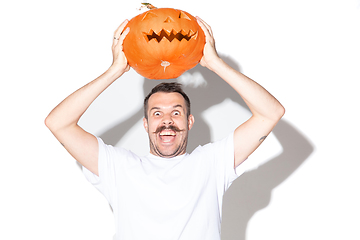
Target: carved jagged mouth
<point x="170" y="36"/>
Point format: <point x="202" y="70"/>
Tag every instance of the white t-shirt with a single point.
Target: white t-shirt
<point x="156" y="198"/>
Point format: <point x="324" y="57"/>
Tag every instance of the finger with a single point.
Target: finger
<point x="118" y="43"/>
<point x="120" y="28"/>
<point x="207" y="31"/>
<point x="123" y="35"/>
<point x="118" y="31"/>
<point x="204" y="26"/>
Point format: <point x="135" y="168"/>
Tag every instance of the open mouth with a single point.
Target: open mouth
<point x="170" y="36"/>
<point x="167" y="135"/>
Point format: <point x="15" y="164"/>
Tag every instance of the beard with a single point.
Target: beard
<point x="181" y="149"/>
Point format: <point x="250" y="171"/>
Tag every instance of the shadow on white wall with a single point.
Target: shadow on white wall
<point x="252" y="191"/>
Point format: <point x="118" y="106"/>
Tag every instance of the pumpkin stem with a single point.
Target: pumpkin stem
<point x="147" y="5"/>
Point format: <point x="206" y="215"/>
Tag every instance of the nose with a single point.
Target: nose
<point x="167" y="120"/>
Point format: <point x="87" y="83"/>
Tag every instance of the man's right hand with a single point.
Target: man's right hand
<point x="120" y="63"/>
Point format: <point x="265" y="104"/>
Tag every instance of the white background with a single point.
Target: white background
<point x="306" y="53"/>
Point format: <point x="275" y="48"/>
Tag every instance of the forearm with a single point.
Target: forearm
<point x="260" y="102"/>
<point x="69" y="111"/>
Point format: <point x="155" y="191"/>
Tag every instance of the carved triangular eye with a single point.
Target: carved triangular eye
<point x="168" y="20"/>
<point x="183" y="15"/>
<point x="148" y="16"/>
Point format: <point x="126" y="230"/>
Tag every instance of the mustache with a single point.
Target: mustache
<point x="171" y="127"/>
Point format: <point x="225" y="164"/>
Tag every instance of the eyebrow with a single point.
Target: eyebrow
<point x="178" y="105"/>
<point x="175" y="106"/>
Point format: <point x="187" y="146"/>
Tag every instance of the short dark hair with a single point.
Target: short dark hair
<point x="167" y="87"/>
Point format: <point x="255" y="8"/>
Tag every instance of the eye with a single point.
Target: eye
<point x="176" y="113"/>
<point x="184" y="15"/>
<point x="157" y="113"/>
<point x="148" y="16"/>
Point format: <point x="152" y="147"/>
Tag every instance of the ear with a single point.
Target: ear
<point x="145" y="123"/>
<point x="191" y="121"/>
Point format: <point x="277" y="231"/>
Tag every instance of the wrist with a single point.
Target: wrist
<point x="216" y="64"/>
<point x="115" y="71"/>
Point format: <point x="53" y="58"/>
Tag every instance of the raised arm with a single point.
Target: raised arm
<point x="63" y="119"/>
<point x="266" y="110"/>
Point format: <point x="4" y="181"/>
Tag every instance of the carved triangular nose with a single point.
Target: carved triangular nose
<point x="168" y="20"/>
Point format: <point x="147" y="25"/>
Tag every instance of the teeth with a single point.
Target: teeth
<point x="170" y="35"/>
<point x="167" y="133"/>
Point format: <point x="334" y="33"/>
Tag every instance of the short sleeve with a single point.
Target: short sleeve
<point x="105" y="182"/>
<point x="221" y="155"/>
<point x="225" y="161"/>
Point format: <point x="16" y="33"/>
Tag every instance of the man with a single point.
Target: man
<point x="168" y="194"/>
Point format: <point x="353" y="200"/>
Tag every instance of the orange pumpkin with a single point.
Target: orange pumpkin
<point x="163" y="43"/>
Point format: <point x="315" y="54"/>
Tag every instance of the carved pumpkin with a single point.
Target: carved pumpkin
<point x="163" y="43"/>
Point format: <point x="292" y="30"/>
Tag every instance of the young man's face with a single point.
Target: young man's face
<point x="167" y="124"/>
